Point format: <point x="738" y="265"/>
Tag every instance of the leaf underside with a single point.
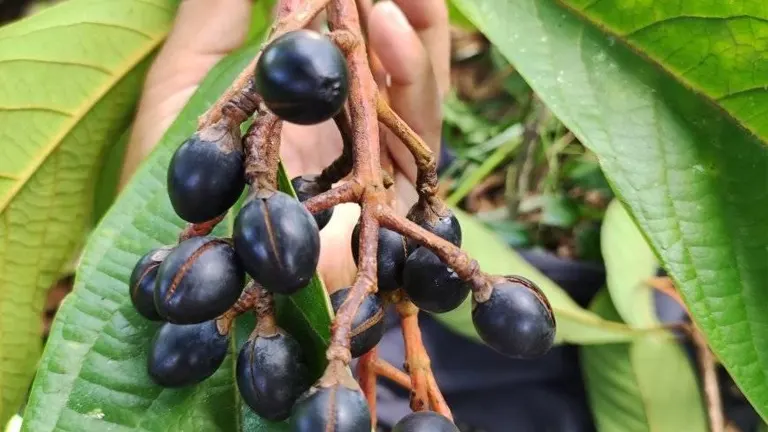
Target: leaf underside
<point x="629" y="262"/>
<point x="692" y="177"/>
<point x="643" y="386"/>
<point x="69" y="81"/>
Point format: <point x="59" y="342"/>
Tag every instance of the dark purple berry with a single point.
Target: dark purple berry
<point x="307" y="187"/>
<point x="425" y="421"/>
<point x="390" y="257"/>
<point x="183" y="355"/>
<point x="205" y="176"/>
<point x="368" y="324"/>
<point x="271" y="374"/>
<point x="303" y="77"/>
<point x="516" y="320"/>
<point x="331" y="409"/>
<point x="198" y="281"/>
<point x="432" y="285"/>
<point x="278" y="242"/>
<point x="142" y="283"/>
<point x="445" y="226"/>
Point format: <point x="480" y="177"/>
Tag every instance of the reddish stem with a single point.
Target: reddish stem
<point x="342" y="15"/>
<point x="350" y="191"/>
<point x="390" y="372"/>
<point x="341" y="167"/>
<point x="200" y="229"/>
<point x="365" y="282"/>
<point x="366" y="372"/>
<point x="436" y="399"/>
<point x="416" y="359"/>
<point x="426" y="164"/>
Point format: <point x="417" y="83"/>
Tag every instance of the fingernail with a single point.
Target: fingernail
<point x="396" y="15"/>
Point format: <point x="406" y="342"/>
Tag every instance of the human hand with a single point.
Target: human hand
<point x="410" y="39"/>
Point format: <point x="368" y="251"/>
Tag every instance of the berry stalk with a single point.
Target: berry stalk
<point x="366" y="372"/>
<point x="465" y="266"/>
<point x="342" y="166"/>
<point x="416" y="360"/>
<point x="200" y="229"/>
<point x="390" y="372"/>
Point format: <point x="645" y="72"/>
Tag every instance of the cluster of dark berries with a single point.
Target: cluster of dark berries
<point x="198" y="286"/>
<point x="194" y="286"/>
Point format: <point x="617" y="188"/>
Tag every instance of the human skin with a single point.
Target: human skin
<point x="411" y="40"/>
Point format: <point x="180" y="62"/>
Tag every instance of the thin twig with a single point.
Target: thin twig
<point x="426" y="164"/>
<point x="366" y="372"/>
<point x="341" y="166"/>
<point x="465" y="266"/>
<point x="200" y="229"/>
<point x="383" y="368"/>
<point x="416" y="361"/>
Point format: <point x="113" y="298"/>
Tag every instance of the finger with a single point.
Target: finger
<point x="413" y="91"/>
<point x="202" y="33"/>
<point x="430" y="20"/>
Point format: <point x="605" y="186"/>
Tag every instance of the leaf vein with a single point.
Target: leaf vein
<point x="87" y="106"/>
<point x="58" y="62"/>
<point x="77" y="24"/>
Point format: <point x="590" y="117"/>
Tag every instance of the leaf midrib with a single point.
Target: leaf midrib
<point x="74" y="118"/>
<point x="638" y="50"/>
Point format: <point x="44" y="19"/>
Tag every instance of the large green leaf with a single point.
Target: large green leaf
<point x="71" y="76"/>
<point x="574" y="324"/>
<point x="93" y="373"/>
<point x="647" y="385"/>
<point x="691" y="176"/>
<point x="629" y="262"/>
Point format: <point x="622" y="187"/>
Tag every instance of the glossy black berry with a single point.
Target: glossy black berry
<point x="271" y="374"/>
<point x="368" y="324"/>
<point x="307" y="187"/>
<point x="205" y="176"/>
<point x="183" y="355"/>
<point x="425" y="421"/>
<point x="278" y="242"/>
<point x="303" y="77"/>
<point x="390" y="257"/>
<point x="331" y="409"/>
<point x="142" y="283"/>
<point x="516" y="320"/>
<point x="432" y="285"/>
<point x="198" y="281"/>
<point x="445" y="226"/>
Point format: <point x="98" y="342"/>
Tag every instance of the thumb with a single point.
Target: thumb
<point x="203" y="32"/>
